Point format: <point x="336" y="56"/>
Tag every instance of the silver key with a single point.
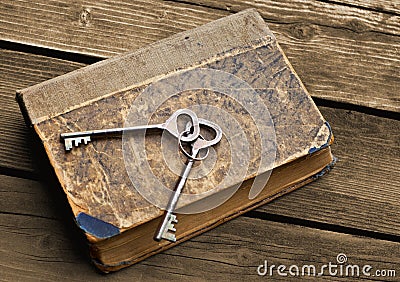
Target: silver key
<point x="167" y="228"/>
<point x="171" y="125"/>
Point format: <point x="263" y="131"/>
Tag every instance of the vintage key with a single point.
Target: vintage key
<point x="171" y="125"/>
<point x="167" y="228"/>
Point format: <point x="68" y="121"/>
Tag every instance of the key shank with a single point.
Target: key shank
<point x="169" y="217"/>
<point x="107" y="132"/>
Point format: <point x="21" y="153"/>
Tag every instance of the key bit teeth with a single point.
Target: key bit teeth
<point x="77" y="142"/>
<point x="71" y="142"/>
<point x="171" y="223"/>
<point x="169" y="236"/>
<point x="173" y="219"/>
<point x="68" y="144"/>
<point x="171" y="227"/>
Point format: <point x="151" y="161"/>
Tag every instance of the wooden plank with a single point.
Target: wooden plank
<point x="363" y="183"/>
<point x="355" y="15"/>
<point x="363" y="190"/>
<point x="103" y="28"/>
<point x="17" y="71"/>
<point x="345" y="40"/>
<point x="356" y="47"/>
<point x="39" y="243"/>
<point x="98" y="28"/>
<point x="385" y="6"/>
<point x="348" y="71"/>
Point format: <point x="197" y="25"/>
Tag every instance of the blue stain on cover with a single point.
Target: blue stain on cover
<point x="96" y="227"/>
<point x="314" y="149"/>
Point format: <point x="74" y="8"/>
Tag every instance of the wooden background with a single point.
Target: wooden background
<point x="347" y="52"/>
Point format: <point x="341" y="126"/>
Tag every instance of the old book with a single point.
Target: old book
<point x="232" y="72"/>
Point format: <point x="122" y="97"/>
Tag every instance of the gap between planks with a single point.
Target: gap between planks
<point x="382" y="6"/>
<point x="341" y="52"/>
<point x="42" y="249"/>
<point x="268" y="7"/>
<point x="361" y="192"/>
<point x="19" y="70"/>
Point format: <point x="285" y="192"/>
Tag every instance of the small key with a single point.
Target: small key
<point x="167" y="228"/>
<point x="171" y="125"/>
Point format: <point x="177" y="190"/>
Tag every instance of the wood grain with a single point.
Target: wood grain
<point x="364" y="187"/>
<point x="98" y="28"/>
<point x="323" y="13"/>
<point x="384" y="6"/>
<point x="359" y="51"/>
<point x="244" y="31"/>
<point x="341" y="52"/>
<point x="338" y="51"/>
<point x="359" y="71"/>
<point x="17" y="71"/>
<point x="362" y="191"/>
<point x="39" y="244"/>
<point x="352" y="195"/>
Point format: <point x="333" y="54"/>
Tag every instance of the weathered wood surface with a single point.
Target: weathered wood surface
<point x="357" y="47"/>
<point x="357" y="193"/>
<point x="121" y="26"/>
<point x="327" y="13"/>
<point x="37" y="244"/>
<point x="98" y="28"/>
<point x="356" y="42"/>
<point x="363" y="190"/>
<point x="19" y="70"/>
<point x="386" y="6"/>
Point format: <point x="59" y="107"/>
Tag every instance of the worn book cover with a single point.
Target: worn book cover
<point x="231" y="72"/>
